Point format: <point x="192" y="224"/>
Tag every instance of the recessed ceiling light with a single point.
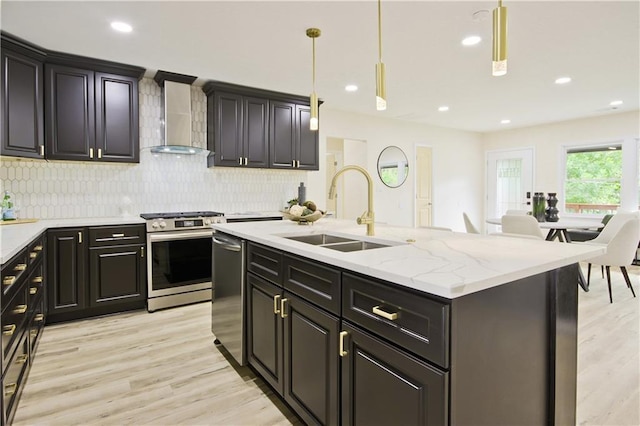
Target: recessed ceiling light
<point x="615" y="103"/>
<point x="505" y="121"/>
<point x="351" y="88"/>
<point x="443" y="108"/>
<point x="121" y="26"/>
<point x="471" y="40"/>
<point x="563" y="80"/>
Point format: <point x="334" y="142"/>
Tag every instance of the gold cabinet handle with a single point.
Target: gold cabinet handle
<point x="33" y="290"/>
<point x="343" y="334"/>
<point x="33" y="333"/>
<point x="41" y="150"/>
<point x="20" y="267"/>
<point x="142" y="251"/>
<point x="8" y="330"/>
<point x="283" y="309"/>
<point x="8" y="280"/>
<point x="391" y="316"/>
<point x="297" y="164"/>
<point x="80" y="237"/>
<point x="33" y="254"/>
<point x="37" y="279"/>
<point x="38" y="317"/>
<point x="276" y="305"/>
<point x="117" y="235"/>
<point x="90" y="152"/>
<point x="293" y="163"/>
<point x="99" y="152"/>
<point x="10" y="389"/>
<point x="240" y="161"/>
<point x="246" y="160"/>
<point x="22" y="359"/>
<point x="20" y="309"/>
<point x="37" y="248"/>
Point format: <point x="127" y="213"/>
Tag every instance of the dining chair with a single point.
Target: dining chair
<point x="471" y="229"/>
<point x="621" y="250"/>
<point x="521" y="224"/>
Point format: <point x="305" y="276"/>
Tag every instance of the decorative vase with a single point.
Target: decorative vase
<point x="538" y="206"/>
<point x="551" y="213"/>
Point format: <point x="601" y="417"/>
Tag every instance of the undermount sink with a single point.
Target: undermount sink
<point x="334" y="242"/>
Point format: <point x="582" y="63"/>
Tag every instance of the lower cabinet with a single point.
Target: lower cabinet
<point x="384" y="385"/>
<point x="67" y="266"/>
<point x="116" y="274"/>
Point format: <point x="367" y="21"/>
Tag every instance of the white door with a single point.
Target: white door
<point x="423" y="214"/>
<point x="509" y="181"/>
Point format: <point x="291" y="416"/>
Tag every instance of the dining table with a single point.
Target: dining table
<point x="560" y="230"/>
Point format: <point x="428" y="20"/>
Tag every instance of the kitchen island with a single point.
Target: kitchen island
<point x="435" y="327"/>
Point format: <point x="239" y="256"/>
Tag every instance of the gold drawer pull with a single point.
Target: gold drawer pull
<point x="8" y="330"/>
<point x="10" y="389"/>
<point x="33" y="254"/>
<point x="37" y="280"/>
<point x="276" y="305"/>
<point x="20" y="267"/>
<point x="343" y="334"/>
<point x="37" y="248"/>
<point x="117" y="235"/>
<point x="38" y="317"/>
<point x="283" y="309"/>
<point x="20" y="309"/>
<point x="390" y="316"/>
<point x="22" y="359"/>
<point x="9" y="280"/>
<point x="33" y="290"/>
<point x="33" y="333"/>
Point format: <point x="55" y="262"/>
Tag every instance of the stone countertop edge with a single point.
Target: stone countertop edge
<point x="441" y="263"/>
<point x="14" y="238"/>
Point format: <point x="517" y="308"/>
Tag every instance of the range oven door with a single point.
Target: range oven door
<point x="178" y="262"/>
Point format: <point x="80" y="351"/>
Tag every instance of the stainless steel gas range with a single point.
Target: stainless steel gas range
<point x="179" y="257"/>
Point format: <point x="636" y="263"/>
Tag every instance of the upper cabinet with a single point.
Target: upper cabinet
<point x="67" y="107"/>
<point x="21" y="117"/>
<point x="249" y="127"/>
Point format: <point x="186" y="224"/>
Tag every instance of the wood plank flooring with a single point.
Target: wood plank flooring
<point x="163" y="369"/>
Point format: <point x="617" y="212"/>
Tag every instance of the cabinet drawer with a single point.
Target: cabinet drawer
<point x="35" y="250"/>
<point x="13" y="322"/>
<point x="14" y="273"/>
<point x="14" y="377"/>
<point x="265" y="262"/>
<point x="416" y="323"/>
<point x="116" y="235"/>
<point x="317" y="283"/>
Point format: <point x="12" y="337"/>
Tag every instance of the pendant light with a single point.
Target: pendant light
<point x="314" y="33"/>
<point x="499" y="66"/>
<point x="381" y="89"/>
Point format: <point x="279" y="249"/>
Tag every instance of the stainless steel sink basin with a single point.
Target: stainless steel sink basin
<point x="337" y="243"/>
<point x="320" y="239"/>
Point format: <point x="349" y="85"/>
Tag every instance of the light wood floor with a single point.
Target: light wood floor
<point x="162" y="369"/>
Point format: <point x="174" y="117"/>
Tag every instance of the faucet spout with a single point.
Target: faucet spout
<point x="367" y="217"/>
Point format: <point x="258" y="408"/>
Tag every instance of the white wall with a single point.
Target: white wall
<point x="457" y="166"/>
<point x="548" y="141"/>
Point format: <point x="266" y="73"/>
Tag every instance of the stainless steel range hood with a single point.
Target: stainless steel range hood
<point x="176" y="97"/>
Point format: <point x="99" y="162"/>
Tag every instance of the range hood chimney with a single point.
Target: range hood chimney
<point x="176" y="109"/>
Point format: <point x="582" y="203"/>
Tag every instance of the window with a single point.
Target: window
<point x="593" y="180"/>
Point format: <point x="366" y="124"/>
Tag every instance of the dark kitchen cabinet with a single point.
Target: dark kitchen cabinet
<point x="22" y="100"/>
<point x="91" y="115"/>
<point x="239" y="128"/>
<point x="96" y="271"/>
<point x="384" y="385"/>
<point x="248" y="127"/>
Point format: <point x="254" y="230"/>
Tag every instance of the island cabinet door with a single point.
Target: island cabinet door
<point x="384" y="385"/>
<point x="311" y="361"/>
<point x="264" y="330"/>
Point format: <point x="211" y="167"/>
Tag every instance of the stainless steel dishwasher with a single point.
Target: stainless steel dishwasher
<point x="227" y="301"/>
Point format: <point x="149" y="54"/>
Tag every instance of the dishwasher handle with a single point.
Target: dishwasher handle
<point x="227" y="243"/>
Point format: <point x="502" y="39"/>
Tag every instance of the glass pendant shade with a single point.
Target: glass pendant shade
<point x="381" y="90"/>
<point x="313" y="123"/>
<point x="499" y="65"/>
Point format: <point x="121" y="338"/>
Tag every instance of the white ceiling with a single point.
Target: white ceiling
<point x="263" y="44"/>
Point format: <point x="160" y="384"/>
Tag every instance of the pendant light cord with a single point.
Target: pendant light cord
<point x="379" y="32"/>
<point x="313" y="43"/>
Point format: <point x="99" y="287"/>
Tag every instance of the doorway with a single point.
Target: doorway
<point x="424" y="203"/>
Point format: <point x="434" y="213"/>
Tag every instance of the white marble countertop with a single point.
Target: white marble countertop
<point x="14" y="237"/>
<point x="447" y="264"/>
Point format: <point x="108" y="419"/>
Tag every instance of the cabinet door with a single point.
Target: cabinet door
<point x="69" y="113"/>
<point x="255" y="132"/>
<point x="282" y="134"/>
<point x="384" y="385"/>
<point x="22" y="106"/>
<point x="264" y="330"/>
<point x="116" y="274"/>
<point x="311" y="361"/>
<point x="306" y="140"/>
<point x="227" y="129"/>
<point x="66" y="270"/>
<point x="116" y="118"/>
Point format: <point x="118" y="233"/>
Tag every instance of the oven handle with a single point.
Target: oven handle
<point x="226" y="243"/>
<point x="184" y="235"/>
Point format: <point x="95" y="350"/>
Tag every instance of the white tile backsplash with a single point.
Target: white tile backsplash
<point x="160" y="182"/>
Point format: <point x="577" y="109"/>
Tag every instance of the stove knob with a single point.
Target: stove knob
<point x="154" y="225"/>
<point x="163" y="224"/>
<point x="207" y="222"/>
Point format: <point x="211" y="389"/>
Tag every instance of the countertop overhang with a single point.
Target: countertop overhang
<point x="442" y="263"/>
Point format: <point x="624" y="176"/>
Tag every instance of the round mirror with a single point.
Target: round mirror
<point x="393" y="166"/>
